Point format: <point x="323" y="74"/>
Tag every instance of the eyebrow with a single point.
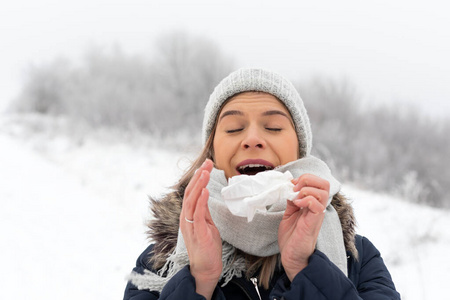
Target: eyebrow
<point x="240" y="113"/>
<point x="231" y="113"/>
<point x="275" y="112"/>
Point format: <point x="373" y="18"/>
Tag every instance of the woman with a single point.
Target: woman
<point x="306" y="248"/>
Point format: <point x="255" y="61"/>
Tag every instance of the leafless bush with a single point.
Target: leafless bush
<point x="43" y="91"/>
<point x="160" y="94"/>
<point x="393" y="149"/>
<point x="384" y="148"/>
<point x="186" y="69"/>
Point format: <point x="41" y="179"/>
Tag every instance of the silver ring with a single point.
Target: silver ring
<point x="189" y="221"/>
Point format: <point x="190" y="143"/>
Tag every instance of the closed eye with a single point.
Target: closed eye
<point x="233" y="130"/>
<point x="273" y="129"/>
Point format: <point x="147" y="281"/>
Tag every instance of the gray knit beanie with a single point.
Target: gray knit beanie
<point x="258" y="80"/>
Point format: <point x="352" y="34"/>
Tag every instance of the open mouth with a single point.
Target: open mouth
<point x="253" y="169"/>
<point x="253" y="166"/>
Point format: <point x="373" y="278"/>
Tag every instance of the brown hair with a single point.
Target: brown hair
<point x="266" y="265"/>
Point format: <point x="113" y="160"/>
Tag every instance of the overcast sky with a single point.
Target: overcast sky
<point x="390" y="50"/>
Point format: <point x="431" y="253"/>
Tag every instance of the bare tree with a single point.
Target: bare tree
<point x="393" y="149"/>
<point x="162" y="93"/>
<point x="187" y="68"/>
<point x="384" y="148"/>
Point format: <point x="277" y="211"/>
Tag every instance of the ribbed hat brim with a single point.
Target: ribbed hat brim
<point x="259" y="80"/>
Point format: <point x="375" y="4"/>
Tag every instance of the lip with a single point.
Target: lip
<point x="255" y="162"/>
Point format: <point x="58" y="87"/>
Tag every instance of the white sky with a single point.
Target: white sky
<point x="390" y="50"/>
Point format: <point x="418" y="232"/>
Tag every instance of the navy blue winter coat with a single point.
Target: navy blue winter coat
<point x="368" y="279"/>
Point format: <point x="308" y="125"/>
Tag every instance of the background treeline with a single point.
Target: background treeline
<point x="163" y="93"/>
<point x="384" y="148"/>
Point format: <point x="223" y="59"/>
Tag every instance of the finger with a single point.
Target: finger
<point x="311" y="180"/>
<point x="206" y="207"/>
<point x="291" y="208"/>
<point x="207" y="165"/>
<point x="201" y="212"/>
<point x="193" y="181"/>
<point x="195" y="186"/>
<point x="190" y="202"/>
<point x="320" y="195"/>
<point x="310" y="202"/>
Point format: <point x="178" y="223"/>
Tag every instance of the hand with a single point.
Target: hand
<point x="300" y="226"/>
<point x="202" y="238"/>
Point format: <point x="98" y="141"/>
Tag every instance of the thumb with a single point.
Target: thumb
<point x="291" y="209"/>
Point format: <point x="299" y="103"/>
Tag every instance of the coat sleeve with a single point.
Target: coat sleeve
<point x="374" y="279"/>
<point x="180" y="286"/>
<point x="131" y="291"/>
<point x="322" y="280"/>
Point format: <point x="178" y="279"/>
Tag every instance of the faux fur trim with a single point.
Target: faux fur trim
<point x="163" y="227"/>
<point x="345" y="212"/>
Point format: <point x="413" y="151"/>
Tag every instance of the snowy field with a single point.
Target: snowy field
<point x="73" y="212"/>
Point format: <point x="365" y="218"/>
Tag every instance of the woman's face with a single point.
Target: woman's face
<point x="254" y="133"/>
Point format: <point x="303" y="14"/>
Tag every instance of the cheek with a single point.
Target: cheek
<point x="224" y="151"/>
<point x="220" y="152"/>
<point x="290" y="150"/>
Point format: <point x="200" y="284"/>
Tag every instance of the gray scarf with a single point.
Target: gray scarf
<point x="259" y="237"/>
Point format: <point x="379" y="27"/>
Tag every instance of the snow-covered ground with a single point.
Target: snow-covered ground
<point x="73" y="212"/>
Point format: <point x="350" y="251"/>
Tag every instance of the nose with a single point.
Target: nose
<point x="253" y="139"/>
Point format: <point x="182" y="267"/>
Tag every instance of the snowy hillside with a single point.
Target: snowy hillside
<point x="73" y="213"/>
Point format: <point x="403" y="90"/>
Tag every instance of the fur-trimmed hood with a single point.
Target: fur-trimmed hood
<point x="163" y="227"/>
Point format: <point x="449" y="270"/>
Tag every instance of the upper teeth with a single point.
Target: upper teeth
<point x="254" y="166"/>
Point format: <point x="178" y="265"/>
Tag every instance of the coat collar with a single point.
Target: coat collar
<point x="163" y="227"/>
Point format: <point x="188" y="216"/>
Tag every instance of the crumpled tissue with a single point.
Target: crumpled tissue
<point x="246" y="194"/>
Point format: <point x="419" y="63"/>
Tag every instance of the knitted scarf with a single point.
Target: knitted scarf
<point x="259" y="237"/>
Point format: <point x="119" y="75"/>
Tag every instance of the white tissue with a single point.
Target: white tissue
<point x="246" y="194"/>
